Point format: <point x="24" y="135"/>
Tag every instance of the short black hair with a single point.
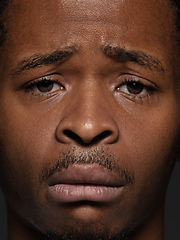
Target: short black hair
<point x="4" y="3"/>
<point x="176" y="4"/>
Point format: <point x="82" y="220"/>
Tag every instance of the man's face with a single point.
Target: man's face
<point x="89" y="114"/>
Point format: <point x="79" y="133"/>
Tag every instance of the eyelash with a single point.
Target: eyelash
<point x="151" y="88"/>
<point x="35" y="83"/>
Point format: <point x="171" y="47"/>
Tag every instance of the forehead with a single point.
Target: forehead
<point x="65" y="17"/>
<point x="46" y="25"/>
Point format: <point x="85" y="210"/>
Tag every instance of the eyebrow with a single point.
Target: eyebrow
<point x="40" y="59"/>
<point x="119" y="54"/>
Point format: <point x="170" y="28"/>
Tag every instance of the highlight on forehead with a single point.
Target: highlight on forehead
<point x="107" y="5"/>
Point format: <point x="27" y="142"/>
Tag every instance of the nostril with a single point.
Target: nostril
<point x="102" y="135"/>
<point x="86" y="140"/>
<point x="72" y="135"/>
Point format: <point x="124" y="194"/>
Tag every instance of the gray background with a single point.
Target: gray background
<point x="172" y="214"/>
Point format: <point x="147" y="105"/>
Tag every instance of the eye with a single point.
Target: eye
<point x="44" y="86"/>
<point x="135" y="87"/>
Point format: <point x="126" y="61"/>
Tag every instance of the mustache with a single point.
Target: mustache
<point x="98" y="156"/>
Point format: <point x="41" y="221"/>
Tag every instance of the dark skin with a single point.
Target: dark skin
<point x="112" y="90"/>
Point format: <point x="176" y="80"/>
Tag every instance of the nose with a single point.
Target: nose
<point x="88" y="121"/>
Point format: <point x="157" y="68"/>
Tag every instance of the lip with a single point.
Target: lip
<point x="85" y="183"/>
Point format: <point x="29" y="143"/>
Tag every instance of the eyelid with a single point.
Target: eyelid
<point x="148" y="85"/>
<point x="41" y="79"/>
<point x="33" y="83"/>
<point x="125" y="78"/>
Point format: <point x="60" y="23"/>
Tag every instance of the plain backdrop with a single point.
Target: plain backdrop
<point x="172" y="213"/>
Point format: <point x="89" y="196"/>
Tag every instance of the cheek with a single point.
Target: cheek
<point x="151" y="147"/>
<point x="26" y="145"/>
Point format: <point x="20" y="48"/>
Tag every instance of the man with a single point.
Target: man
<point x="89" y="117"/>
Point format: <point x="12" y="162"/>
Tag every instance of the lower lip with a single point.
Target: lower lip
<point x="67" y="193"/>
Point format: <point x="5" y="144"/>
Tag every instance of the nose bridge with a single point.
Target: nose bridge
<point x="91" y="105"/>
<point x="88" y="118"/>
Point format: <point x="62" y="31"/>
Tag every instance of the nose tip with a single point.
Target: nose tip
<point x="87" y="132"/>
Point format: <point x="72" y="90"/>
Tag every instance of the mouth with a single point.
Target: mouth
<point x="85" y="183"/>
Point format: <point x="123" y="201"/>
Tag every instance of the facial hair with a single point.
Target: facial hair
<point x="74" y="156"/>
<point x="87" y="230"/>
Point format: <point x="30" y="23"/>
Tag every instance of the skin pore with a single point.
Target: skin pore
<point x="88" y="87"/>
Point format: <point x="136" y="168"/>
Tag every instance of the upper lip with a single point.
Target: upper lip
<point x="87" y="174"/>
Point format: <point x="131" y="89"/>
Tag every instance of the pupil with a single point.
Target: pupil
<point x="135" y="87"/>
<point x="45" y="86"/>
